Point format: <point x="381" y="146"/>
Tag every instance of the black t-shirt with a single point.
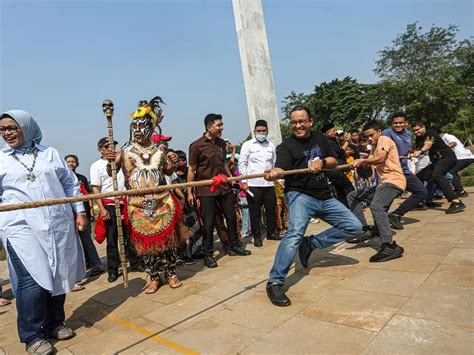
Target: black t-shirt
<point x="295" y="153"/>
<point x="439" y="149"/>
<point x="83" y="180"/>
<point x="340" y="153"/>
<point x="356" y="149"/>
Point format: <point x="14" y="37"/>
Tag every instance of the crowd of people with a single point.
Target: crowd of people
<point x="50" y="248"/>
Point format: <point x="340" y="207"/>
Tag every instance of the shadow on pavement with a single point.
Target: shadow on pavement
<point x="245" y="289"/>
<point x="103" y="303"/>
<point x="408" y="220"/>
<point x="319" y="259"/>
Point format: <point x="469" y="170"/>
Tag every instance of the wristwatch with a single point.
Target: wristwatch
<point x="324" y="162"/>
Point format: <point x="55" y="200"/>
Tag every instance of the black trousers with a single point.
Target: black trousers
<point x="208" y="214"/>
<point x="342" y="185"/>
<point x="418" y="195"/>
<point x="437" y="170"/>
<point x="460" y="165"/>
<point x="263" y="196"/>
<point x="113" y="258"/>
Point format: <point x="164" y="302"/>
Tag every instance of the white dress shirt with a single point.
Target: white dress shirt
<point x="255" y="158"/>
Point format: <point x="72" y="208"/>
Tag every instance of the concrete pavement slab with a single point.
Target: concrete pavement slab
<point x="448" y="275"/>
<point x="400" y="283"/>
<point x="305" y="335"/>
<point x="405" y="335"/>
<point x="451" y="305"/>
<point x="212" y="336"/>
<point x="459" y="256"/>
<point x="255" y="312"/>
<point x="364" y="310"/>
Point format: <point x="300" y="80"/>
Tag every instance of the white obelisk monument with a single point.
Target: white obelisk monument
<point x="256" y="66"/>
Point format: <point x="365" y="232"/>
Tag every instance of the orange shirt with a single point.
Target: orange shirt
<point x="390" y="171"/>
<point x="348" y="173"/>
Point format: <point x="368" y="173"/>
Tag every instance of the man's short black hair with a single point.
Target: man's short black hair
<point x="72" y="156"/>
<point x="302" y="108"/>
<point x="373" y="124"/>
<point x="355" y="131"/>
<point x="211" y="118"/>
<point x="180" y="154"/>
<point x="417" y="123"/>
<point x="398" y="114"/>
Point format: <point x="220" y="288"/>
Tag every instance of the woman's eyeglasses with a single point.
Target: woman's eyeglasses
<point x="11" y="129"/>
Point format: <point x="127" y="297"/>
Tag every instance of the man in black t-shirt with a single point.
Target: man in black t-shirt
<point x="307" y="195"/>
<point x="442" y="159"/>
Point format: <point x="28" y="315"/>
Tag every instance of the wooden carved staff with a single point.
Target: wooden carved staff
<point x="108" y="108"/>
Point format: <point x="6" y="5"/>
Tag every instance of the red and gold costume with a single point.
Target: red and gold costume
<point x="154" y="221"/>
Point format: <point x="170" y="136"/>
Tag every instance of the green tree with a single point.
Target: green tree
<point x="346" y="103"/>
<point x="427" y="74"/>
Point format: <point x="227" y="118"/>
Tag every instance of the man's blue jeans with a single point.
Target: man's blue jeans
<point x="38" y="311"/>
<point x="301" y="208"/>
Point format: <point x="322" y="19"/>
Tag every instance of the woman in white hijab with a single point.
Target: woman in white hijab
<point x="45" y="257"/>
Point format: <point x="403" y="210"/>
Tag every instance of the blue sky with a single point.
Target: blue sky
<point x="60" y="59"/>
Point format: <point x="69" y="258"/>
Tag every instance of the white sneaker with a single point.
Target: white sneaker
<point x="62" y="332"/>
<point x="40" y="347"/>
<point x="314" y="220"/>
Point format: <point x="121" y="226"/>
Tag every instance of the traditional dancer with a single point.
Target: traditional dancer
<point x="153" y="220"/>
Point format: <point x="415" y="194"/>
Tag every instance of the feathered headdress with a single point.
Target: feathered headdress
<point x="152" y="109"/>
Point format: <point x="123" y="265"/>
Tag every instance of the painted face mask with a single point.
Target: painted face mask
<point x="146" y="119"/>
<point x="261" y="137"/>
<point x="142" y="125"/>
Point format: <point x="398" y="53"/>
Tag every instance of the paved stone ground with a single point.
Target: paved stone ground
<point x="421" y="303"/>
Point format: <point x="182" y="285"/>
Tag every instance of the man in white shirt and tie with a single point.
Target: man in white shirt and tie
<point x="256" y="156"/>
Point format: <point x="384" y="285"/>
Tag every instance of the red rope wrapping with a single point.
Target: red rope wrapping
<point x="145" y="243"/>
<point x="218" y="180"/>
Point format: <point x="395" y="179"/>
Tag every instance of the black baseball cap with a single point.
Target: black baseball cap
<point x="104" y="141"/>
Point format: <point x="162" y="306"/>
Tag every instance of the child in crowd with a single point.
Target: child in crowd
<point x="364" y="176"/>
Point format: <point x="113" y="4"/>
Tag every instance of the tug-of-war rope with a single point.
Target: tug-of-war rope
<point x="150" y="190"/>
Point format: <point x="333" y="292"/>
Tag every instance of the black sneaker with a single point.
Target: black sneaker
<point x="113" y="276"/>
<point x="395" y="221"/>
<point x="305" y="251"/>
<point x="277" y="296"/>
<point x="210" y="262"/>
<point x="456" y="207"/>
<point x="273" y="237"/>
<point x="95" y="271"/>
<point x="421" y="207"/>
<point x="462" y="194"/>
<point x="366" y="234"/>
<point x="387" y="251"/>
<point x="237" y="250"/>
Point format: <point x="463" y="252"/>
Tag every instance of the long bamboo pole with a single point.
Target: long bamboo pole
<point x="147" y="190"/>
<point x="118" y="213"/>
